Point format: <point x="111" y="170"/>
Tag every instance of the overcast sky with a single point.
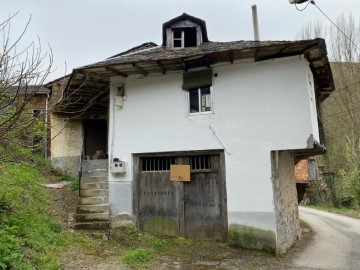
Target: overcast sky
<point x="86" y="31"/>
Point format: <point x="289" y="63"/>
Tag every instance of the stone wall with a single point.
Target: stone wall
<point x="285" y="200"/>
<point x="66" y="144"/>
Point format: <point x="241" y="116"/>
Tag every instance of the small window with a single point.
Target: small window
<point x="200" y="100"/>
<point x="156" y="164"/>
<point x="184" y="37"/>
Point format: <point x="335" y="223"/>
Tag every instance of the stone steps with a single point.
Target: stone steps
<point x="94" y="192"/>
<point x="94" y="185"/>
<point x="93" y="200"/>
<point x="88" y="217"/>
<point x="96" y="208"/>
<point x="92" y="212"/>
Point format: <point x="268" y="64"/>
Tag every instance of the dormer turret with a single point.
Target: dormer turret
<point x="184" y="31"/>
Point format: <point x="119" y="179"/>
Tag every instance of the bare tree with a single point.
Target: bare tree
<point x="23" y="70"/>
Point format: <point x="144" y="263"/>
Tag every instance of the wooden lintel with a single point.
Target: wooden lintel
<point x="116" y="72"/>
<point x="231" y="57"/>
<point x="161" y="66"/>
<point x="140" y="69"/>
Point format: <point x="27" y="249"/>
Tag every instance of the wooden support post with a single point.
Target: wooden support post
<point x="116" y="72"/>
<point x="140" y="69"/>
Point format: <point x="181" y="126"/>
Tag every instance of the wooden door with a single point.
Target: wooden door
<point x="192" y="209"/>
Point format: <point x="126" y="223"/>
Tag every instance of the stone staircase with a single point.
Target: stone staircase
<point x="92" y="212"/>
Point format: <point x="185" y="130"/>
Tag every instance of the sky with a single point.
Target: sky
<point x="81" y="32"/>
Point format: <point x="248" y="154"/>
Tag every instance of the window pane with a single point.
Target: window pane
<point x="177" y="43"/>
<point x="205" y="99"/>
<point x="177" y="33"/>
<point x="194" y="100"/>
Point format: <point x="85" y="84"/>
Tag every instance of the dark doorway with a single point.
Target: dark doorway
<point x="95" y="136"/>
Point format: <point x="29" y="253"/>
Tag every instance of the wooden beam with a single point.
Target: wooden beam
<point x="231" y="57"/>
<point x="161" y="66"/>
<point x="278" y="54"/>
<point x="140" y="69"/>
<point x="183" y="64"/>
<point x="93" y="74"/>
<point x="116" y="72"/>
<point x="206" y="61"/>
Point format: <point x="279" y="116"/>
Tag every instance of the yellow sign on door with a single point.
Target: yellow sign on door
<point x="180" y="173"/>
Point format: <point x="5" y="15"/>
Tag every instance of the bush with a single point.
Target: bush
<point x="347" y="201"/>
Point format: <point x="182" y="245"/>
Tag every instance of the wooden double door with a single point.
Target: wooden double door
<point x="195" y="209"/>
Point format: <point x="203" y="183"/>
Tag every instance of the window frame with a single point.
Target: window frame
<point x="182" y="39"/>
<point x="199" y="101"/>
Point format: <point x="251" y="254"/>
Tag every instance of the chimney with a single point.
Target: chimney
<point x="255" y="23"/>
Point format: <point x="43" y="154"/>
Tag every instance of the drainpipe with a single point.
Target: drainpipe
<point x="255" y="23"/>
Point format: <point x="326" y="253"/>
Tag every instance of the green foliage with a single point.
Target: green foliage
<point x="148" y="246"/>
<point x="137" y="256"/>
<point x="29" y="235"/>
<point x="348" y="184"/>
<point x="73" y="181"/>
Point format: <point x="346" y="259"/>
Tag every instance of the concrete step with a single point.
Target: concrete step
<point x="95" y="208"/>
<point x="95" y="164"/>
<point x="89" y="179"/>
<point x="92" y="162"/>
<point x="101" y="225"/>
<point x="97" y="185"/>
<point x="94" y="192"/>
<point x="92" y="217"/>
<point x="93" y="200"/>
<point x="98" y="172"/>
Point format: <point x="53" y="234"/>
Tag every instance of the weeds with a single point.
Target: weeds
<point x="29" y="236"/>
<point x="137" y="256"/>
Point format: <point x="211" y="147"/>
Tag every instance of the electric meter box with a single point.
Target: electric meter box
<point x="117" y="167"/>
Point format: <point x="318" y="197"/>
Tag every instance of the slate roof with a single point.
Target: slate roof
<point x="91" y="82"/>
<point x="164" y="53"/>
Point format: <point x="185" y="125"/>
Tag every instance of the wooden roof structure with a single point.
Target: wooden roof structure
<point x="87" y="90"/>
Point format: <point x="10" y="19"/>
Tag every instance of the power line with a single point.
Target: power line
<point x="338" y="90"/>
<point x="338" y="28"/>
<point x="303" y="8"/>
<point x="342" y="112"/>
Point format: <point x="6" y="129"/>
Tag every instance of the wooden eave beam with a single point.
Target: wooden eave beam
<point x="278" y="54"/>
<point x="93" y="74"/>
<point x="183" y="64"/>
<point x="116" y="72"/>
<point x="231" y="57"/>
<point x="140" y="69"/>
<point x="161" y="66"/>
<point x="206" y="60"/>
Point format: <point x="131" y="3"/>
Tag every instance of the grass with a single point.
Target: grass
<point x="147" y="247"/>
<point x="30" y="238"/>
<point x="355" y="213"/>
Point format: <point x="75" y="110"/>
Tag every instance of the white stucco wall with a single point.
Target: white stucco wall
<point x="258" y="107"/>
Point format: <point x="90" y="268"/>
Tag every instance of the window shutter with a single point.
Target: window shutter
<point x="197" y="79"/>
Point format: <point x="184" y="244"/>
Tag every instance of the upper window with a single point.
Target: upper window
<point x="200" y="100"/>
<point x="184" y="37"/>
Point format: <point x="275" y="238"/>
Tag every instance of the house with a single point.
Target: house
<point x="32" y="101"/>
<point x="305" y="171"/>
<point x="223" y="110"/>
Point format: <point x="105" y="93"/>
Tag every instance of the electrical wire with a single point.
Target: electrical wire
<point x="352" y="84"/>
<point x="303" y="8"/>
<point x="337" y="27"/>
<point x="338" y="114"/>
